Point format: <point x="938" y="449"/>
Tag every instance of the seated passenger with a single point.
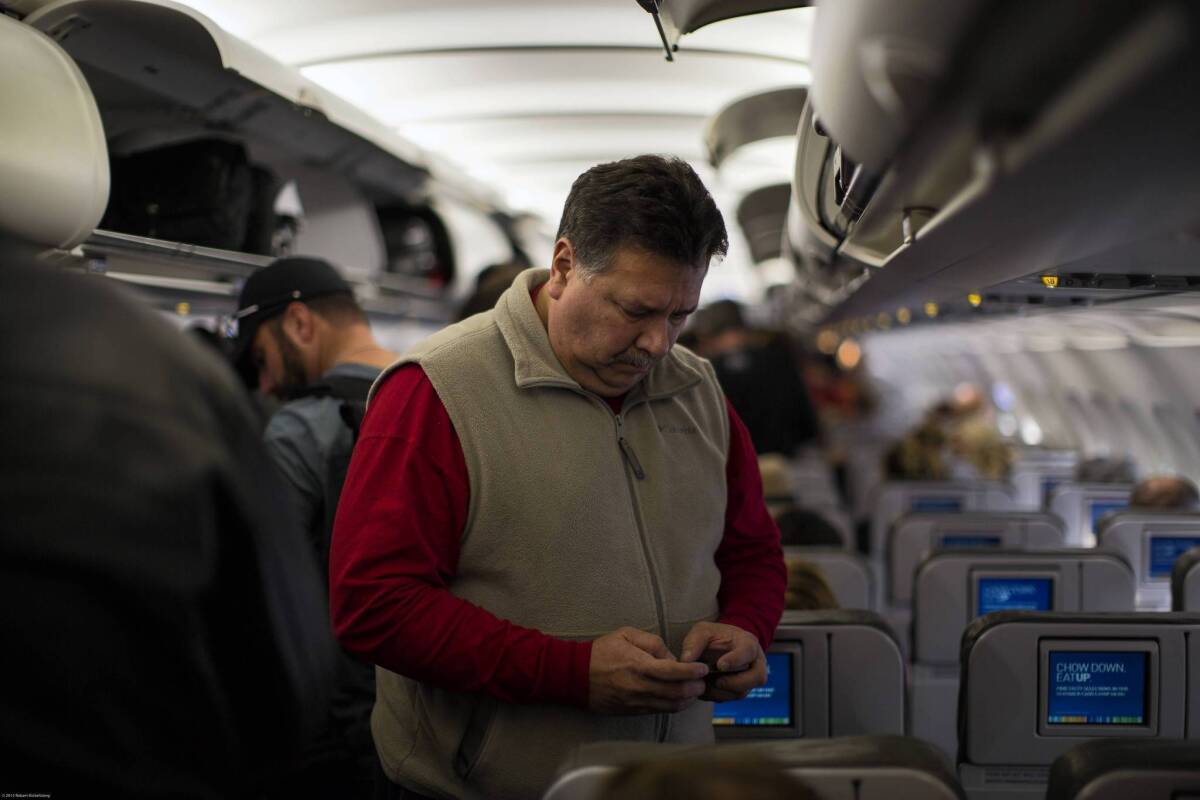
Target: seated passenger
<point x="310" y="344"/>
<point x="734" y="777"/>
<point x="161" y="623"/>
<point x="1102" y="469"/>
<point x="1164" y="493"/>
<point x="804" y="527"/>
<point x="807" y="589"/>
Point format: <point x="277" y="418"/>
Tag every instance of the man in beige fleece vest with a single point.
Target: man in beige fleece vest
<point x="552" y="531"/>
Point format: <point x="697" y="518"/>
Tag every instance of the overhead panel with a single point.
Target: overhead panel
<point x="751" y="119"/>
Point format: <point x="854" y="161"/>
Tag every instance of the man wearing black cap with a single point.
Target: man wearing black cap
<point x="303" y="339"/>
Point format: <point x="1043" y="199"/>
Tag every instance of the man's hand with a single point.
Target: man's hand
<point x="633" y="672"/>
<point x="737" y="660"/>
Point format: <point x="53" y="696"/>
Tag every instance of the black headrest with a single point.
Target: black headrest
<point x="1179" y="572"/>
<point x="1079" y="766"/>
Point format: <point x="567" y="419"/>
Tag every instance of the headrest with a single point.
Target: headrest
<point x="847" y="753"/>
<point x="54" y="161"/>
<point x="1089" y="762"/>
<point x="1179" y="573"/>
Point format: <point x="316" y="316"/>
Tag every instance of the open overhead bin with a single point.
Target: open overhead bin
<point x="986" y="152"/>
<point x="751" y="119"/>
<point x="681" y="17"/>
<point x="216" y="148"/>
<point x="761" y="217"/>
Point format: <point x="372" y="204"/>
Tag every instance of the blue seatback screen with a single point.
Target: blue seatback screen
<point x="1015" y="594"/>
<point x="1164" y="550"/>
<point x="766" y="706"/>
<point x="1101" y="507"/>
<point x="968" y="541"/>
<point x="1097" y="688"/>
<point x="937" y="504"/>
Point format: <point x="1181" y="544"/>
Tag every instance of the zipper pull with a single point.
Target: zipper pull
<point x="632" y="458"/>
<point x="627" y="450"/>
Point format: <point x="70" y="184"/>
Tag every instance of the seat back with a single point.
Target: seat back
<point x="1107" y="769"/>
<point x="1185" y="582"/>
<point x="1151" y="541"/>
<point x="833" y="673"/>
<point x="846" y="572"/>
<point x="917" y="535"/>
<point x="1082" y="505"/>
<point x="1037" y="473"/>
<point x="896" y="498"/>
<point x="1036" y="685"/>
<point x="953" y="588"/>
<point x="54" y="177"/>
<point x="850" y="768"/>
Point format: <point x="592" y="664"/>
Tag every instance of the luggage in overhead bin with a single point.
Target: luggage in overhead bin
<point x="201" y="192"/>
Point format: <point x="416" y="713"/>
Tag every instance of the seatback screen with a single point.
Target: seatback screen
<point x="1101" y="507"/>
<point x="1015" y="594"/>
<point x="1165" y="550"/>
<point x="968" y="541"/>
<point x="937" y="504"/>
<point x="767" y="706"/>
<point x="1097" y="687"/>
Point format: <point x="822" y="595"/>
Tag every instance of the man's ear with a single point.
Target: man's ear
<point x="562" y="268"/>
<point x="299" y="324"/>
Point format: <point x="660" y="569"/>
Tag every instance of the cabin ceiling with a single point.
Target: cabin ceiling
<point x="525" y="95"/>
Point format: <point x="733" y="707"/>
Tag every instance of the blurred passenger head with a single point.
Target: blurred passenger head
<point x="1165" y="492"/>
<point x="918" y="456"/>
<point x="651" y="203"/>
<point x="1103" y="469"/>
<point x="776" y="480"/>
<point x="804" y="527"/>
<point x="719" y="777"/>
<point x="632" y="253"/>
<point x="490" y="283"/>
<point x="290" y="314"/>
<point x="807" y="588"/>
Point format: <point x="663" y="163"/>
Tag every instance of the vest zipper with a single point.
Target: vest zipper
<point x="635" y="465"/>
<point x="627" y="451"/>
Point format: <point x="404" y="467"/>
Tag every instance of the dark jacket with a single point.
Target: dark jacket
<point x="162" y="630"/>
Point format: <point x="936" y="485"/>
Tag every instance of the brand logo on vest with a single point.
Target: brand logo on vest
<point x="685" y="428"/>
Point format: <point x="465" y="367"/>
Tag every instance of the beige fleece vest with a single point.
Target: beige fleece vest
<point x="567" y="532"/>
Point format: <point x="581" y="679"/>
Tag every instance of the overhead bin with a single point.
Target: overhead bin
<point x="972" y="148"/>
<point x="751" y="119"/>
<point x="680" y="17"/>
<point x="168" y="81"/>
<point x="761" y="215"/>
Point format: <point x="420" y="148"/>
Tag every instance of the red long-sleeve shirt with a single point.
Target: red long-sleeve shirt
<point x="396" y="545"/>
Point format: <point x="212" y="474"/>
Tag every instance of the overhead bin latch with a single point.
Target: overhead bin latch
<point x="652" y="6"/>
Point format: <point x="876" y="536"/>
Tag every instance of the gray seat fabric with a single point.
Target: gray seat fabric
<point x="1129" y="766"/>
<point x="975" y="631"/>
<point x="1185" y="565"/>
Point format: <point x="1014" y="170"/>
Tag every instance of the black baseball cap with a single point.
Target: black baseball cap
<point x="268" y="292"/>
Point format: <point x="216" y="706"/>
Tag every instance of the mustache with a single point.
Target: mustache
<point x="636" y="358"/>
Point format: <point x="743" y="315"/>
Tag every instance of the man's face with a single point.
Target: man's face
<point x="280" y="367"/>
<point x="610" y="330"/>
